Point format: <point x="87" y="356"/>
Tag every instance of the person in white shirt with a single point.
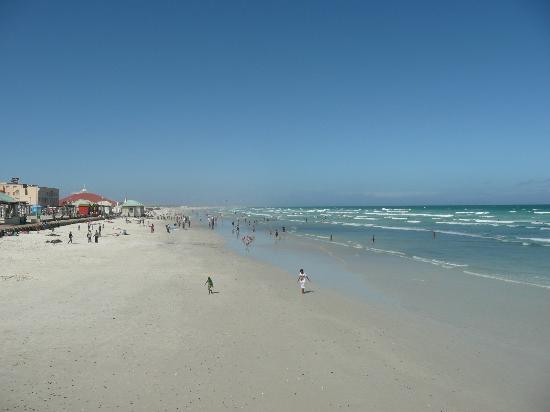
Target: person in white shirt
<point x="302" y="277"/>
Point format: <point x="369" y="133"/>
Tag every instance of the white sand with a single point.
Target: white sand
<point x="128" y="324"/>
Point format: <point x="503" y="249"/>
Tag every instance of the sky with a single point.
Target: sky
<point x="279" y="103"/>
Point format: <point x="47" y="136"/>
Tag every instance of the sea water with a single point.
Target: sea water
<point x="505" y="243"/>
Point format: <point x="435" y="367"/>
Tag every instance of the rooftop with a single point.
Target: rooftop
<point x="132" y="203"/>
<point x="4" y="198"/>
<point x="91" y="197"/>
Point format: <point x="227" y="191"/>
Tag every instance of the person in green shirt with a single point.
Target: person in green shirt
<point x="210" y="285"/>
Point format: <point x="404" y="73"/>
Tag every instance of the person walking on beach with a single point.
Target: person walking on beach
<point x="302" y="277"/>
<point x="70" y="237"/>
<point x="96" y="237"/>
<point x="89" y="236"/>
<point x="210" y="285"/>
<point x="152" y="228"/>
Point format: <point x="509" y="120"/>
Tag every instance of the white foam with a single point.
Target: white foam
<point x="536" y="239"/>
<point x="494" y="221"/>
<point x="389" y="252"/>
<point x="499" y="277"/>
<point x="458" y="223"/>
<point x="404" y="214"/>
<point x="340" y="244"/>
<point x="401" y="228"/>
<point x="542" y="213"/>
<point x="450" y="232"/>
<point x="441" y="263"/>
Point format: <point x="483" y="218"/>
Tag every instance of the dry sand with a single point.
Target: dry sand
<point x="128" y="324"/>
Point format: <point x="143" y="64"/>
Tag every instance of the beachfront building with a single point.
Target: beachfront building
<point x="88" y="204"/>
<point x="132" y="208"/>
<point x="7" y="208"/>
<point x="105" y="207"/>
<point x="12" y="212"/>
<point x="33" y="195"/>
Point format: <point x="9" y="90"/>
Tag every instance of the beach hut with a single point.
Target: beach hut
<point x="83" y="207"/>
<point x="133" y="208"/>
<point x="105" y="207"/>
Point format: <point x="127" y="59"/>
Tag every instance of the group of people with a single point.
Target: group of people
<point x="89" y="234"/>
<point x="9" y="232"/>
<point x="182" y="220"/>
<point x="212" y="222"/>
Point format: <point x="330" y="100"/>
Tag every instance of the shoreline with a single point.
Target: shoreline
<point x="506" y="313"/>
<point x="494" y="242"/>
<point x="129" y="323"/>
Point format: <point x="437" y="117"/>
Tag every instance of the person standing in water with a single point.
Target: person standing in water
<point x="302" y="277"/>
<point x="210" y="285"/>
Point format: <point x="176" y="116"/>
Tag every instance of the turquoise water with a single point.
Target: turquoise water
<point x="505" y="243"/>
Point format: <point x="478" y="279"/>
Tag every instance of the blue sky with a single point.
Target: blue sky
<point x="279" y="103"/>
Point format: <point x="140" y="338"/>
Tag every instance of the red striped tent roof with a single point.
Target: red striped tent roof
<point x="92" y="197"/>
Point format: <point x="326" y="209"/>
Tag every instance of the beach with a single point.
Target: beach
<point x="128" y="324"/>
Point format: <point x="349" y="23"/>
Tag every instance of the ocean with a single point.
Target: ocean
<point x="505" y="243"/>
